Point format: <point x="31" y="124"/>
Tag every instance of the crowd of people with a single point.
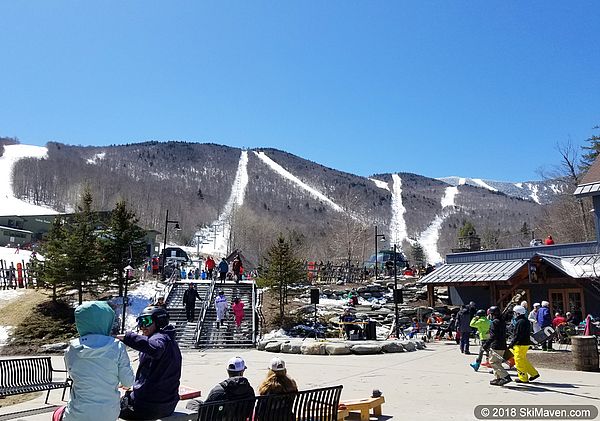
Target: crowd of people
<point x="99" y="367"/>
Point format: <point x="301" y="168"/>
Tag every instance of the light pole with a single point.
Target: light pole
<point x="396" y="294"/>
<point x="376" y="239"/>
<point x="128" y="273"/>
<point x="167" y="222"/>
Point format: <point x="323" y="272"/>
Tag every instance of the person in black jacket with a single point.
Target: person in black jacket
<point x="189" y="300"/>
<point x="520" y="345"/>
<point x="496" y="344"/>
<point x="235" y="387"/>
<point x="155" y="392"/>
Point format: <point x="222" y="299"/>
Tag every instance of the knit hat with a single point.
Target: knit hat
<point x="277" y="364"/>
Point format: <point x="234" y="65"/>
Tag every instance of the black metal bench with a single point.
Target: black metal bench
<point x="306" y="405"/>
<point x="26" y="375"/>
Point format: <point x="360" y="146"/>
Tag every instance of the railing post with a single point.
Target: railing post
<point x="253" y="313"/>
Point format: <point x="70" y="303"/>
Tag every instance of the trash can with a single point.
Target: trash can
<point x="371" y="333"/>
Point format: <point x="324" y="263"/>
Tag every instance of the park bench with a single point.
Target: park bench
<point x="305" y="405"/>
<point x="26" y="375"/>
<point x="364" y="406"/>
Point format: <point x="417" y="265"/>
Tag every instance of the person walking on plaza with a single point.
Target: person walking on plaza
<point x="544" y="319"/>
<point x="97" y="363"/>
<point x="496" y="344"/>
<point x="463" y="322"/>
<point x="155" y="392"/>
<point x="238" y="311"/>
<point x="223" y="269"/>
<point x="482" y="324"/>
<point x="520" y="345"/>
<point x="189" y="300"/>
<point x="533" y="317"/>
<point x="220" y="307"/>
<point x="210" y="266"/>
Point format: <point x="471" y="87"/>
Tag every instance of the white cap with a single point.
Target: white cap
<point x="536" y="305"/>
<point x="236" y="364"/>
<point x="277" y="364"/>
<point x="545" y="303"/>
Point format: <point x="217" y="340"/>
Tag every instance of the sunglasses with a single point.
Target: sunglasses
<point x="144" y="321"/>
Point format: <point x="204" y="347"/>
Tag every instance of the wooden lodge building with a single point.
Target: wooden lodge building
<point x="566" y="275"/>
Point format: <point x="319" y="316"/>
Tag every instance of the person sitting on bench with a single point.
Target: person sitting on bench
<point x="347" y="318"/>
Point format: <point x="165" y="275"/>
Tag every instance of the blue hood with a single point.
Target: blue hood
<point x="94" y="317"/>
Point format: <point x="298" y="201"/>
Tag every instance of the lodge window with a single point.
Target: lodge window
<point x="564" y="300"/>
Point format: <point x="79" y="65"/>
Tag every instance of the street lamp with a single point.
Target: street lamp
<point x="167" y="222"/>
<point x="396" y="294"/>
<point x="382" y="239"/>
<point x="128" y="274"/>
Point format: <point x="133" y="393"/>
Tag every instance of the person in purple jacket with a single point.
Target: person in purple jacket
<point x="155" y="392"/>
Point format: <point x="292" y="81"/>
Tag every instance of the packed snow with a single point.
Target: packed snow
<point x="519" y="185"/>
<point x="11" y="256"/>
<point x="9" y="204"/>
<point x="398" y="231"/>
<point x="380" y="184"/>
<point x="214" y="237"/>
<point x="289" y="176"/>
<point x="429" y="238"/>
<point x="462" y="181"/>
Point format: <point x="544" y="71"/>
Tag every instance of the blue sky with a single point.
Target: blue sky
<point x="438" y="88"/>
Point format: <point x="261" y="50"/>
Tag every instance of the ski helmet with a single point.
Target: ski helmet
<point x="158" y="314"/>
<point x="494" y="311"/>
<point x="480" y="313"/>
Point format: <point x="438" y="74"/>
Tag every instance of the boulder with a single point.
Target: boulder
<point x="420" y="344"/>
<point x="313" y="348"/>
<point x="273" y="347"/>
<point x="291" y="348"/>
<point x="337" y="349"/>
<point x="361" y="290"/>
<point x="375" y="306"/>
<point x="409" y="346"/>
<point x="392" y="347"/>
<point x="366" y="349"/>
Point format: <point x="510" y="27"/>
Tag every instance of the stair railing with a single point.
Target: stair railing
<point x="257" y="330"/>
<point x="205" y="305"/>
<point x="165" y="291"/>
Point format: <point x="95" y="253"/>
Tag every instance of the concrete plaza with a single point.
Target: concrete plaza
<point x="432" y="384"/>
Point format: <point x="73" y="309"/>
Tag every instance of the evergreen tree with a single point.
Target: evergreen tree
<point x="281" y="268"/>
<point x="82" y="248"/>
<point x="123" y="235"/>
<point x="417" y="254"/>
<point x="52" y="271"/>
<point x="593" y="149"/>
<point x="466" y="230"/>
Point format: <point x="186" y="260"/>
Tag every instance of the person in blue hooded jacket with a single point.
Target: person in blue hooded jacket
<point x="97" y="363"/>
<point x="155" y="392"/>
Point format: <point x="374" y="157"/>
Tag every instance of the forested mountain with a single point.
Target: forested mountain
<point x="334" y="211"/>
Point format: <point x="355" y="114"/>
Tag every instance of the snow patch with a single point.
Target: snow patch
<point x="398" y="231"/>
<point x="519" y="185"/>
<point x="9" y="204"/>
<point x="97" y="157"/>
<point x="483" y="184"/>
<point x="380" y="184"/>
<point x="4" y="334"/>
<point x="462" y="181"/>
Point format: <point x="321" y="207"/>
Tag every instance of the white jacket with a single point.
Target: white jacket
<point x="97" y="364"/>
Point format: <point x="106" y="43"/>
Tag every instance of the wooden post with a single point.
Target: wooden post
<point x="430" y="295"/>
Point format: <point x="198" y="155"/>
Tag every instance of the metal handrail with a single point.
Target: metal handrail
<point x="205" y="305"/>
<point x="258" y="311"/>
<point x="167" y="287"/>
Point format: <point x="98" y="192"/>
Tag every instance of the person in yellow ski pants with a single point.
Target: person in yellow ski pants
<point x="520" y="345"/>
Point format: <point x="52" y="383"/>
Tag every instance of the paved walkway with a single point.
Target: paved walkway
<point x="432" y="384"/>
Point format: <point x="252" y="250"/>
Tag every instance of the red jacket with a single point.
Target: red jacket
<point x="210" y="264"/>
<point x="558" y="320"/>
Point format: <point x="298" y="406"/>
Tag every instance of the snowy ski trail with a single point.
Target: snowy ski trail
<point x="217" y="234"/>
<point x="289" y="176"/>
<point x="398" y="231"/>
<point x="9" y="204"/>
<point x="429" y="238"/>
<point x="380" y="184"/>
